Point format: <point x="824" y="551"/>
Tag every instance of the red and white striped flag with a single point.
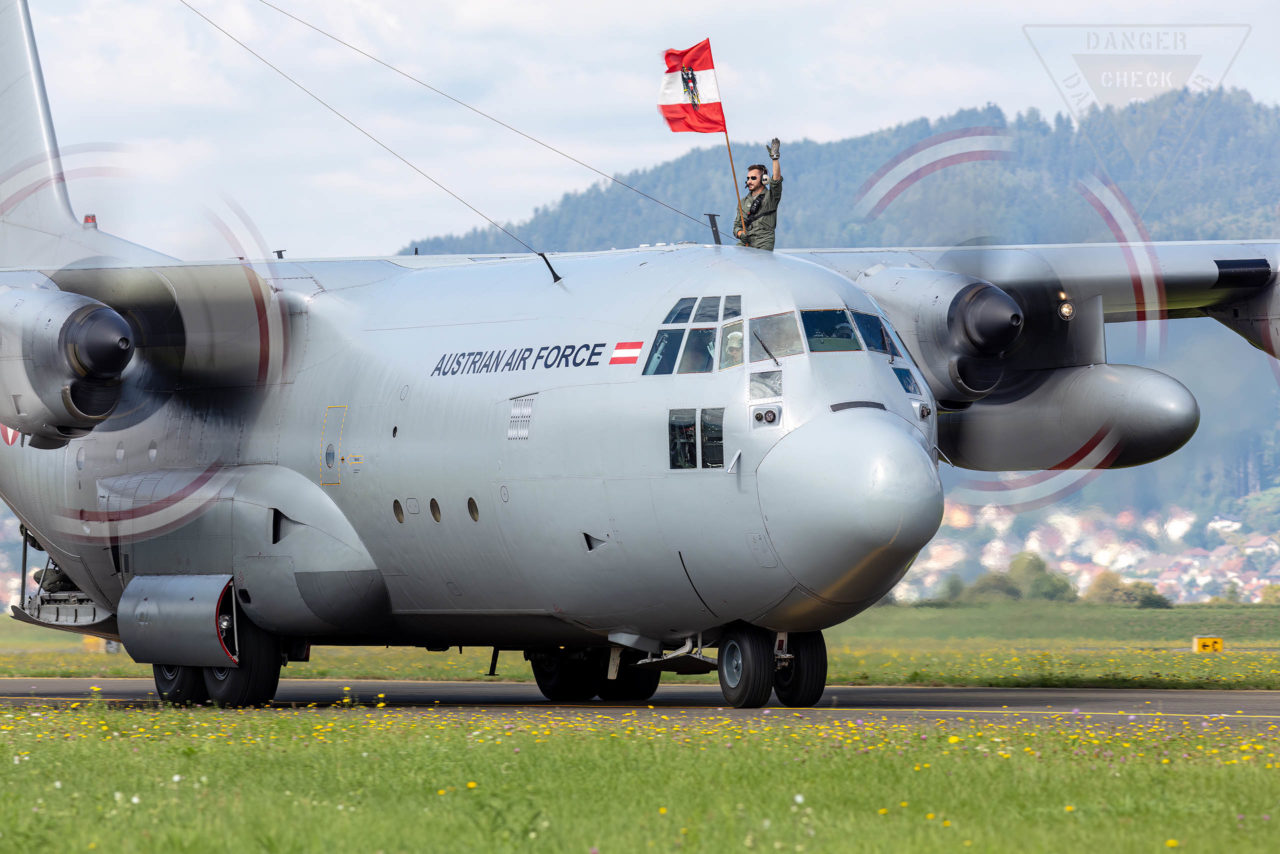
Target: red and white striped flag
<point x="626" y="353"/>
<point x="690" y="98"/>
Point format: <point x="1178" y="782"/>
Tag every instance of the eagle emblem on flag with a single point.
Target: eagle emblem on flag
<point x="689" y="78"/>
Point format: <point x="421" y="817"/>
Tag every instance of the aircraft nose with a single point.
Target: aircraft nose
<point x="848" y="500"/>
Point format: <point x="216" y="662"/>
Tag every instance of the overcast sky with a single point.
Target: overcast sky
<point x="206" y="148"/>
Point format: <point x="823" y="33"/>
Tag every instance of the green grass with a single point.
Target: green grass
<point x="1028" y="644"/>
<point x="1076" y="621"/>
<point x="368" y="779"/>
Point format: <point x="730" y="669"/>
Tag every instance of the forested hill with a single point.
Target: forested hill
<point x="1194" y="166"/>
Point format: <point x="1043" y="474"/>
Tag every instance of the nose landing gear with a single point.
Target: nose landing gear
<point x="755" y="662"/>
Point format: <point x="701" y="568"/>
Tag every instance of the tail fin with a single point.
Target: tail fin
<point x="37" y="225"/>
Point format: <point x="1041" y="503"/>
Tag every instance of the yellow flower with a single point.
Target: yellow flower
<point x="884" y="811"/>
<point x="953" y="739"/>
<point x="1171" y="843"/>
<point x="471" y="784"/>
<point x="662" y="810"/>
<point x="1069" y="808"/>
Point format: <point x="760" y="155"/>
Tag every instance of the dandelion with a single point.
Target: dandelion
<point x="471" y="784"/>
<point x="1069" y="808"/>
<point x="884" y="810"/>
<point x="1171" y="843"/>
<point x="662" y="810"/>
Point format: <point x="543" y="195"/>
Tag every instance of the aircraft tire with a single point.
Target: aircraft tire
<point x="179" y="684"/>
<point x="254" y="682"/>
<point x="566" y="678"/>
<point x="800" y="684"/>
<point x="633" y="684"/>
<point x="746" y="666"/>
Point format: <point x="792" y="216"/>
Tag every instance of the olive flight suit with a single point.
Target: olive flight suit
<point x="762" y="217"/>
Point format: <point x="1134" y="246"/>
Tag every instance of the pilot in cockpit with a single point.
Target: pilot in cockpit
<point x="732" y="350"/>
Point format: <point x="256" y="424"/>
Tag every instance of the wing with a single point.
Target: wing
<point x="1030" y="388"/>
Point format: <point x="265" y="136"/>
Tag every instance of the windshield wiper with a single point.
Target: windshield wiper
<point x="766" y="348"/>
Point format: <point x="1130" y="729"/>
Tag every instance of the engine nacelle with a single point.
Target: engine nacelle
<point x="61" y="357"/>
<point x="1098" y="416"/>
<point x="955" y="326"/>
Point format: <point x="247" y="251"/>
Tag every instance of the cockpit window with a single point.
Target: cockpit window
<point x="731" y="345"/>
<point x="872" y="332"/>
<point x="766" y="384"/>
<point x="775" y="336"/>
<point x="732" y="307"/>
<point x="680" y="311"/>
<point x="699" y="352"/>
<point x="666" y="344"/>
<point x="909" y="384"/>
<point x="708" y="310"/>
<point x="829" y="331"/>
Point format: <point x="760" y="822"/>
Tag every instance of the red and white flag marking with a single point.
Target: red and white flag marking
<point x="690" y="97"/>
<point x="626" y="353"/>
<point x="9" y="435"/>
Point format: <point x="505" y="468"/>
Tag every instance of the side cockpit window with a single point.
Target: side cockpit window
<point x="708" y="310"/>
<point x="731" y="345"/>
<point x="699" y="345"/>
<point x="662" y="358"/>
<point x="829" y="331"/>
<point x="699" y="352"/>
<point x="872" y="332"/>
<point x="681" y="311"/>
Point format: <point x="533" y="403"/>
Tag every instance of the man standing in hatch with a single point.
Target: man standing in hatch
<point x="761" y="204"/>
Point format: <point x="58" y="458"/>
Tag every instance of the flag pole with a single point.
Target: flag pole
<point x="737" y="192"/>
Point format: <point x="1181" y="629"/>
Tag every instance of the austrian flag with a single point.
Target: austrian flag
<point x="689" y="98"/>
<point x="626" y="353"/>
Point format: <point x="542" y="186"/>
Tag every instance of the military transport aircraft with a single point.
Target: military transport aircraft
<point x="668" y="451"/>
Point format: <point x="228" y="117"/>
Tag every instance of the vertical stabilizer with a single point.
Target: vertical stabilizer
<point x="37" y="225"/>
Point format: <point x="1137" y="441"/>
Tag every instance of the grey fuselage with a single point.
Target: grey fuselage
<point x="440" y="452"/>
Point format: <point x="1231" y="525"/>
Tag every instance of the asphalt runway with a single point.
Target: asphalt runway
<point x="1100" y="706"/>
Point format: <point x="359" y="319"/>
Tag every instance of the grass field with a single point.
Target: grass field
<point x="367" y="779"/>
<point x="1012" y="645"/>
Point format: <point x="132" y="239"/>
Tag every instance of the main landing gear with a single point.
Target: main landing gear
<point x="576" y="676"/>
<point x="755" y="663"/>
<point x="253" y="683"/>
